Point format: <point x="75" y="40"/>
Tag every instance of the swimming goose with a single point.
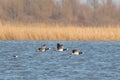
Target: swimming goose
<point x="15" y="56"/>
<point x="43" y="48"/>
<point x="60" y="47"/>
<point x="76" y="52"/>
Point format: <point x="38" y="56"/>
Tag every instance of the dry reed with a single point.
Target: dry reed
<point x="57" y="32"/>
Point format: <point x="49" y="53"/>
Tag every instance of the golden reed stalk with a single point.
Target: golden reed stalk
<point x="57" y="32"/>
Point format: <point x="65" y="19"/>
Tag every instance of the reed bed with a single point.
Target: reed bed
<point x="58" y="32"/>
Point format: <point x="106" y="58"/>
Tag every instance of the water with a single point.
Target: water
<point x="100" y="61"/>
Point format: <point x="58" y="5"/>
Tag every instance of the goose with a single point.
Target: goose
<point x="43" y="48"/>
<point x="61" y="48"/>
<point x="76" y="52"/>
<point x="15" y="56"/>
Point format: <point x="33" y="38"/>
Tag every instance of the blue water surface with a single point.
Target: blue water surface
<point x="100" y="61"/>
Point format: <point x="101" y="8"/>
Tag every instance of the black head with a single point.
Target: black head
<point x="65" y="49"/>
<point x="80" y="52"/>
<point x="47" y="49"/>
<point x="58" y="44"/>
